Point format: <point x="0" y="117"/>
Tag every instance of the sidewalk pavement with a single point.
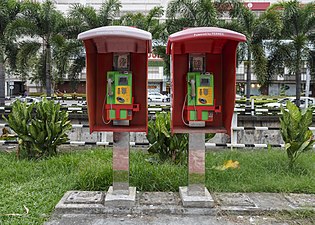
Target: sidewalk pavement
<point x="83" y="208"/>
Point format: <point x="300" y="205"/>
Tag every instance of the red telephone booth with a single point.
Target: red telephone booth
<point x="116" y="78"/>
<point x="203" y="68"/>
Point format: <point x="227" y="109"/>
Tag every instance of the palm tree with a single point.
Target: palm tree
<point x="297" y="37"/>
<point x="190" y="13"/>
<point x="181" y="14"/>
<point x="83" y="18"/>
<point x="149" y="22"/>
<point x="69" y="51"/>
<point x="8" y="12"/>
<point x="68" y="57"/>
<point x="256" y="29"/>
<point x="41" y="23"/>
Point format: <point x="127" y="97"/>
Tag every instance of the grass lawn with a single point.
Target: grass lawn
<point x="39" y="185"/>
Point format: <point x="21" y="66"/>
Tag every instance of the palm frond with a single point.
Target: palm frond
<point x="153" y="16"/>
<point x="260" y="63"/>
<point x="23" y="26"/>
<point x="206" y="13"/>
<point x="85" y="14"/>
<point x="181" y="9"/>
<point x="108" y="11"/>
<point x="11" y="51"/>
<point x="27" y="50"/>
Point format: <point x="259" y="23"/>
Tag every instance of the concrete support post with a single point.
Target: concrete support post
<point x="121" y="162"/>
<point x="196" y="164"/>
<point x="196" y="194"/>
<point x="120" y="194"/>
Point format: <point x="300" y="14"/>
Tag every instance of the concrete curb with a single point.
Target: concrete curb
<point x="152" y="203"/>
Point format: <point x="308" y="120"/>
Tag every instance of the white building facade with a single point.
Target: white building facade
<point x="158" y="81"/>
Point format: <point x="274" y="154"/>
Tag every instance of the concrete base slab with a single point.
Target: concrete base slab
<point x="301" y="200"/>
<point x="270" y="201"/>
<point x="154" y="203"/>
<point x="114" y="199"/>
<point x="196" y="201"/>
<point x="159" y="198"/>
<point x="234" y="199"/>
<point x="85" y="197"/>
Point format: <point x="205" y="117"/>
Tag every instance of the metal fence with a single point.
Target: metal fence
<point x="156" y="107"/>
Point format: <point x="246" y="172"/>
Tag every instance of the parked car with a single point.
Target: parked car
<point x="28" y="100"/>
<point x="238" y="97"/>
<point x="156" y="97"/>
<point x="283" y="102"/>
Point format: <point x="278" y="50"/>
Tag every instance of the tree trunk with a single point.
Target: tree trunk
<point x="48" y="70"/>
<point x="298" y="79"/>
<point x="298" y="87"/>
<point x="2" y="80"/>
<point x="264" y="89"/>
<point x="248" y="77"/>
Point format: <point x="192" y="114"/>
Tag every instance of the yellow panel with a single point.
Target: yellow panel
<point x="124" y="93"/>
<point x="205" y="93"/>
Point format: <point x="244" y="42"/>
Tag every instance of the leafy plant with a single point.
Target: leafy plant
<point x="40" y="127"/>
<point x="166" y="145"/>
<point x="295" y="131"/>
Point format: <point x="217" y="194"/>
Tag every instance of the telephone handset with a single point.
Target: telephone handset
<point x="193" y="88"/>
<point x="109" y="87"/>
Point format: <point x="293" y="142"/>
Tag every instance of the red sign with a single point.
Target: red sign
<point x="154" y="56"/>
<point x="257" y="6"/>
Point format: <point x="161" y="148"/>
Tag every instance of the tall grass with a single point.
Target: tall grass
<point x="39" y="185"/>
<point x="261" y="171"/>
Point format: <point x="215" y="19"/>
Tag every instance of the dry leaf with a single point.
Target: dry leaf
<point x="230" y="164"/>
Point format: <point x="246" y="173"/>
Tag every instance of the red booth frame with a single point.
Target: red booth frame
<point x="219" y="46"/>
<point x="100" y="44"/>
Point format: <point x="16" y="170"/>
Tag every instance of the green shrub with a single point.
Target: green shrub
<point x="40" y="127"/>
<point x="295" y="131"/>
<point x="37" y="94"/>
<point x="162" y="142"/>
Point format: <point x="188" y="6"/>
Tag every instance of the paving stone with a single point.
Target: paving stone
<point x="301" y="200"/>
<point x="159" y="198"/>
<point x="85" y="197"/>
<point x="270" y="201"/>
<point x="234" y="199"/>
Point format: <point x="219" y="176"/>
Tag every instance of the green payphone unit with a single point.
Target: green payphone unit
<point x="200" y="104"/>
<point x="119" y="100"/>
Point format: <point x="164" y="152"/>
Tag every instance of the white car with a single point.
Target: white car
<point x="283" y="102"/>
<point x="156" y="97"/>
<point x="28" y="100"/>
<point x="238" y="97"/>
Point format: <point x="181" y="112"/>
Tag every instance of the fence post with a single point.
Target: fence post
<point x="233" y="130"/>
<point x="252" y="107"/>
